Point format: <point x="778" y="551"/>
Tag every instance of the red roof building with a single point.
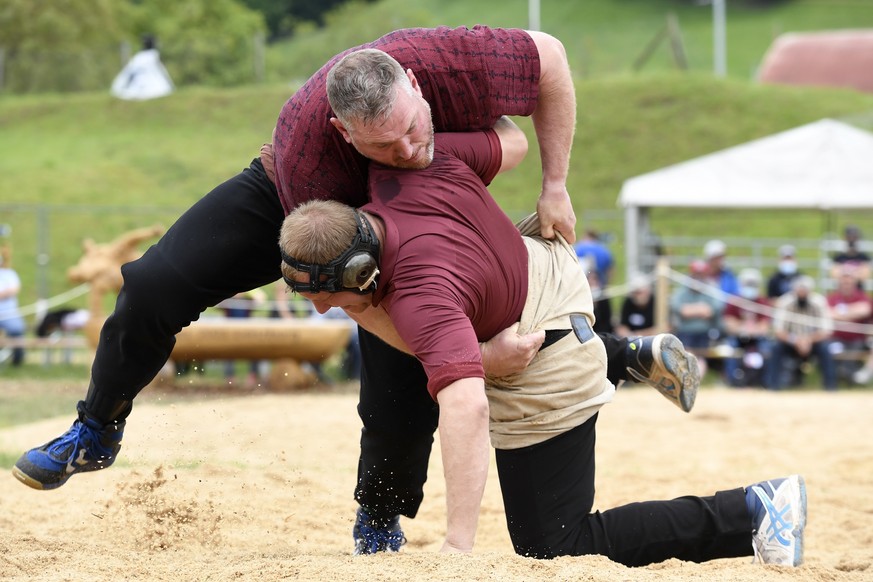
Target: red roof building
<point x="841" y="58"/>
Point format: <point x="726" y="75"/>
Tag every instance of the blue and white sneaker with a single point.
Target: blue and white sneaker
<point x="778" y="510"/>
<point x="86" y="446"/>
<point x="371" y="538"/>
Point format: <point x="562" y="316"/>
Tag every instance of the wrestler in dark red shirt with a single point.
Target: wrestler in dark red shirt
<point x="428" y="260"/>
<point x="469" y="76"/>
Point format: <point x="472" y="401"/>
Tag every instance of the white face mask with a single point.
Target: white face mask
<point x="750" y="293"/>
<point x="788" y="267"/>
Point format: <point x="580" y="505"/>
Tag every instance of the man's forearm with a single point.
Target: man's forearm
<point x="465" y="451"/>
<point x="504" y="354"/>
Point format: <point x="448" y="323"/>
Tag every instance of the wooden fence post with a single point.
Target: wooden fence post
<point x="662" y="295"/>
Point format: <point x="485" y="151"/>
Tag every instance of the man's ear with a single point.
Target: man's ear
<point x="415" y="86"/>
<point x="341" y="128"/>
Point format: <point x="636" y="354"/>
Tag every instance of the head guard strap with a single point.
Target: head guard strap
<point x="364" y="248"/>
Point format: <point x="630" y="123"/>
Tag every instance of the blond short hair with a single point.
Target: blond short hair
<point x="317" y="232"/>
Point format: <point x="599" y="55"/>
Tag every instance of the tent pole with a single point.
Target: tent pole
<point x="631" y="241"/>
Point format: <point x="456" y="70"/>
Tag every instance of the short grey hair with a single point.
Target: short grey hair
<point x="361" y="86"/>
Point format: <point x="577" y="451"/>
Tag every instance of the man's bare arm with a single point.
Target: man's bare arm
<point x="555" y="123"/>
<point x="376" y="321"/>
<point x="465" y="447"/>
<point x="513" y="142"/>
<point x="504" y="354"/>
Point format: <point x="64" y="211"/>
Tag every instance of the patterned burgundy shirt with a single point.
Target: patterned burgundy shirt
<point x="470" y="77"/>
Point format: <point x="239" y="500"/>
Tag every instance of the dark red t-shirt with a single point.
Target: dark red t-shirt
<point x="453" y="265"/>
<point x="837" y="299"/>
<point x="470" y="77"/>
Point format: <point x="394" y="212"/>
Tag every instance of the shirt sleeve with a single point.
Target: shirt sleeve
<point x="480" y="150"/>
<point x="449" y="350"/>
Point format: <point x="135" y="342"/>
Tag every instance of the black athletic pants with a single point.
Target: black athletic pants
<point x="226" y="243"/>
<point x="548" y="492"/>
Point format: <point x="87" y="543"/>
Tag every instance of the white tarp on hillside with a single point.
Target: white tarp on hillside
<point x="143" y="77"/>
<point x="824" y="165"/>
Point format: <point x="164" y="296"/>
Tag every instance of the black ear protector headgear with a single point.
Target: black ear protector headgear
<point x="354" y="270"/>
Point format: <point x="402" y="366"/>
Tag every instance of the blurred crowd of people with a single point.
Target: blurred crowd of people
<point x="756" y="330"/>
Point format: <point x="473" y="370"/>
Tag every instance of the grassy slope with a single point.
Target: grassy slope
<point x="161" y="156"/>
<point x="601" y="36"/>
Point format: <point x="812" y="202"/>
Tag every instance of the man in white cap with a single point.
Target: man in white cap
<point x="719" y="274"/>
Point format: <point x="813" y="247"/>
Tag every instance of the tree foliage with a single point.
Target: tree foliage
<point x="57" y="45"/>
<point x="284" y="16"/>
<point x="73" y="45"/>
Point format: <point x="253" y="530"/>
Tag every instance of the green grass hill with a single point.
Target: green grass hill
<point x="87" y="165"/>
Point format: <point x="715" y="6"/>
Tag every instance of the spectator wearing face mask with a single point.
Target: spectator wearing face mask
<point x="802" y="326"/>
<point x="786" y="271"/>
<point x="747" y="327"/>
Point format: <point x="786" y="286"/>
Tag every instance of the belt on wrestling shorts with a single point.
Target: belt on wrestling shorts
<point x="581" y="328"/>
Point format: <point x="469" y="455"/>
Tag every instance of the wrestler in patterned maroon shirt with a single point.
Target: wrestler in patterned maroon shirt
<point x="469" y="76"/>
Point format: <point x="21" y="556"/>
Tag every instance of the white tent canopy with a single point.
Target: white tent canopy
<point x="825" y="165"/>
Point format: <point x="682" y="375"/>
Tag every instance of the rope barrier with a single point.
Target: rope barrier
<point x="43" y="305"/>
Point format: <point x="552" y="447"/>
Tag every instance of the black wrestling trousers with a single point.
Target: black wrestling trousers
<point x="226" y="243"/>
<point x="548" y="493"/>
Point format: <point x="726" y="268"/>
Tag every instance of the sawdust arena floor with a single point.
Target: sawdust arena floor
<point x="258" y="486"/>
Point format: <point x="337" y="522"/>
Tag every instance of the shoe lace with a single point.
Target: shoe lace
<point x="79" y="436"/>
<point x="379" y="539"/>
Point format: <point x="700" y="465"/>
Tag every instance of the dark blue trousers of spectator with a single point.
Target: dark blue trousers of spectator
<point x="739" y="371"/>
<point x="823" y="355"/>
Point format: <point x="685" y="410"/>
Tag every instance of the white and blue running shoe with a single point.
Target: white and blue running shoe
<point x="778" y="510"/>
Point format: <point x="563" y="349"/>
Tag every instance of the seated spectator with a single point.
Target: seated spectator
<point x="695" y="313"/>
<point x="852" y="255"/>
<point x="747" y="327"/>
<point x="802" y="327"/>
<point x="720" y="275"/>
<point x="638" y="309"/>
<point x="786" y="272"/>
<point x="11" y="321"/>
<point x="849" y="304"/>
